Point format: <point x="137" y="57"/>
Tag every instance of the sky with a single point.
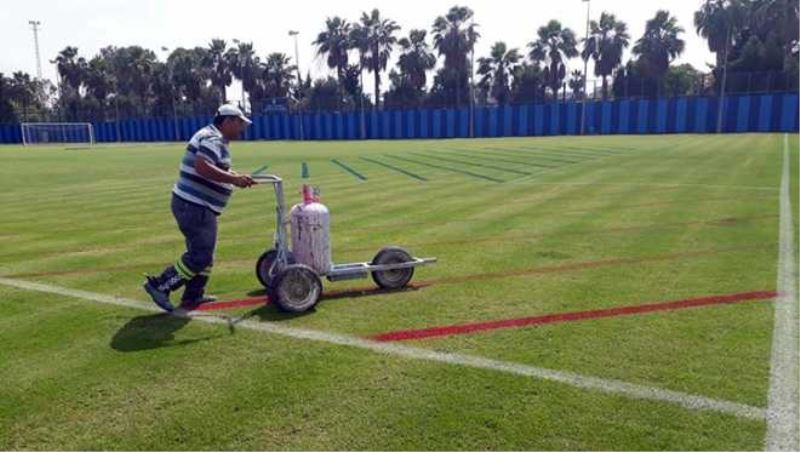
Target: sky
<point x="93" y="24"/>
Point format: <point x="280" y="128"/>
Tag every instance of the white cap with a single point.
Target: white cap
<point x="232" y="110"/>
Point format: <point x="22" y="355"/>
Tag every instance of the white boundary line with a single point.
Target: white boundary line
<point x="614" y="387"/>
<point x="643" y="184"/>
<point x="782" y="412"/>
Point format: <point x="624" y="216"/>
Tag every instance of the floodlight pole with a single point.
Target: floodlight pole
<point x="721" y="109"/>
<point x="585" y="73"/>
<point x="172" y="92"/>
<point x="472" y="85"/>
<point x="35" y="25"/>
<point x="294" y="34"/>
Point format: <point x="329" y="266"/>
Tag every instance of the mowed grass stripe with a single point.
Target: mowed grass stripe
<point x="395" y="168"/>
<point x="447" y="168"/>
<point x="547" y="155"/>
<point x="595" y="150"/>
<point x="478" y="155"/>
<point x="566" y="153"/>
<point x="350" y="170"/>
<point x="461" y="162"/>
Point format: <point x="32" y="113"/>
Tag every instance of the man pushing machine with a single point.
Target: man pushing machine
<point x="199" y="196"/>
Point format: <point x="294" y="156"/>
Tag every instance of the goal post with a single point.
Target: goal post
<point x="34" y="133"/>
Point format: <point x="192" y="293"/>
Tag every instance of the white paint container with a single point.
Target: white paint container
<point x="311" y="225"/>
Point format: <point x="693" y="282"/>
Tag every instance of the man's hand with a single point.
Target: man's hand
<point x="243" y="181"/>
<point x="207" y="169"/>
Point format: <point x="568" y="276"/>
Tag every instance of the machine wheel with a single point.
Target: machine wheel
<point x="296" y="289"/>
<point x="392" y="279"/>
<point x="265" y="272"/>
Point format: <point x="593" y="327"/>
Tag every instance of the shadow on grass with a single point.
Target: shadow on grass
<point x="269" y="312"/>
<point x="152" y="331"/>
<point x="352" y="293"/>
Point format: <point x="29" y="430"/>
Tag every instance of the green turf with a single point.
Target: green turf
<point x="521" y="227"/>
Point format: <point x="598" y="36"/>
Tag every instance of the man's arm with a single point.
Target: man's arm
<point x="208" y="170"/>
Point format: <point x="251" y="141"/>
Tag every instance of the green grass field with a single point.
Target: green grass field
<point x="521" y="227"/>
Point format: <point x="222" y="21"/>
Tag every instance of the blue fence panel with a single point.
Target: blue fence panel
<point x="397" y="125"/>
<point x="661" y="116"/>
<point x="743" y="116"/>
<point x="492" y="122"/>
<point x="681" y="117"/>
<point x="789" y="113"/>
<point x="701" y="115"/>
<point x="508" y="118"/>
<point x="522" y="120"/>
<point x="572" y="119"/>
<point x="730" y="114"/>
<point x="424" y="123"/>
<point x="588" y="118"/>
<point x="436" y="124"/>
<point x="463" y="123"/>
<point x="643" y="110"/>
<point x="605" y="123"/>
<point x="450" y="123"/>
<point x="624" y="125"/>
<point x="538" y="120"/>
<point x="553" y="119"/>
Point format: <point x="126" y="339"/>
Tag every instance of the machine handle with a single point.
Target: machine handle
<point x="271" y="178"/>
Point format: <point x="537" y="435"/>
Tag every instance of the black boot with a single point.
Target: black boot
<point x="159" y="287"/>
<point x="194" y="294"/>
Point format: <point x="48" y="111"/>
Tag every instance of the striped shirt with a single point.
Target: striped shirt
<point x="208" y="144"/>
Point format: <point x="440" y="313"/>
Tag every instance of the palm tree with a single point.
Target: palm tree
<point x="190" y="77"/>
<point x="140" y="68"/>
<point x="607" y="40"/>
<point x="781" y="17"/>
<point x="7" y="111"/>
<point x="416" y="59"/>
<point x="71" y="68"/>
<point x="244" y="65"/>
<point x="555" y="44"/>
<point x="454" y="36"/>
<point x="576" y="82"/>
<point x="659" y="45"/>
<point x="277" y="75"/>
<point x="22" y="91"/>
<point x="527" y="85"/>
<point x="218" y="60"/>
<point x="496" y="71"/>
<point x="718" y="21"/>
<point x="99" y="80"/>
<point x="374" y="37"/>
<point x="334" y="43"/>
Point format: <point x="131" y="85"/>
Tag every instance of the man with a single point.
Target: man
<point x="201" y="193"/>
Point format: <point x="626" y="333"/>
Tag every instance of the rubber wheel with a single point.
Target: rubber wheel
<point x="264" y="270"/>
<point x="296" y="289"/>
<point x="392" y="279"/>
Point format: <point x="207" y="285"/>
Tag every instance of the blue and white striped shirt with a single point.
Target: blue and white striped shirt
<point x="208" y="143"/>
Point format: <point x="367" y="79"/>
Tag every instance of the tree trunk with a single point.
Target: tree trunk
<point x="377" y="88"/>
<point x="605" y="88"/>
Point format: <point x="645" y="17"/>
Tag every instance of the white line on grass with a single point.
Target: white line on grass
<point x="615" y="387"/>
<point x="527" y="180"/>
<point x="782" y="408"/>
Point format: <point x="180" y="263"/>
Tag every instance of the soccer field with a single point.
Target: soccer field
<point x="591" y="293"/>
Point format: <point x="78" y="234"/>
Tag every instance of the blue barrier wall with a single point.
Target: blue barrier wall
<point x="742" y="113"/>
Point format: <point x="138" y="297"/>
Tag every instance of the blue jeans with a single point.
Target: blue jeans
<point x="199" y="227"/>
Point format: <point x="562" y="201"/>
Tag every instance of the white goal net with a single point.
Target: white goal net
<point x="57" y="133"/>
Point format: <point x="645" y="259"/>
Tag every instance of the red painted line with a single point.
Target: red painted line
<point x="468" y="328"/>
<point x="243" y="303"/>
